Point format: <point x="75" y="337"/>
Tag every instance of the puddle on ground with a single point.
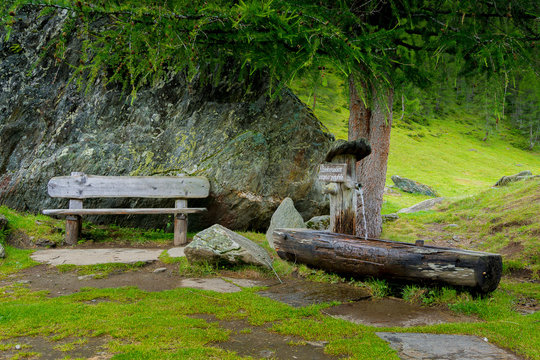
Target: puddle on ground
<point x="394" y="312"/>
<point x="92" y="349"/>
<point x="300" y="293"/>
<point x="260" y="342"/>
<point x="358" y="307"/>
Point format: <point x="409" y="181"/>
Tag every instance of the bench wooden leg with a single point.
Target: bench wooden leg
<point x="180" y="224"/>
<point x="180" y="230"/>
<point x="73" y="222"/>
<point x="73" y="229"/>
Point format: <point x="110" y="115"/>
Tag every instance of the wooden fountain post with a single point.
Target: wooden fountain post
<point x="340" y="174"/>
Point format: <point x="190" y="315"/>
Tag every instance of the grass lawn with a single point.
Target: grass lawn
<point x="133" y="324"/>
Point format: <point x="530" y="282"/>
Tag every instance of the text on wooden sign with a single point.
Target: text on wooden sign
<point x="332" y="172"/>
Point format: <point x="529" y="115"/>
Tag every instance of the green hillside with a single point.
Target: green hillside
<point x="449" y="154"/>
<point x="446" y="153"/>
<point x="504" y="220"/>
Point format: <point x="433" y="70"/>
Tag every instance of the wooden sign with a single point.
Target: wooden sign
<point x="332" y="172"/>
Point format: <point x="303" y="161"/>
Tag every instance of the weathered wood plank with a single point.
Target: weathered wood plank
<point x="122" y="211"/>
<point x="352" y="255"/>
<point x="180" y="224"/>
<point x="343" y="203"/>
<point x="91" y="186"/>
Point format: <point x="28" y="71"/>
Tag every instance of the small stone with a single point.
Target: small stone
<point x="456" y="238"/>
<point x="452" y="225"/>
<point x="2" y="252"/>
<point x="390" y="217"/>
<point x="317" y="343"/>
<point x="17" y="347"/>
<point x="285" y="216"/>
<point x="24" y="282"/>
<point x="86" y="277"/>
<point x="213" y="284"/>
<point x="160" y="270"/>
<point x="523" y="175"/>
<point x="422" y="206"/>
<point x="412" y="186"/>
<point x="217" y="244"/>
<point x="485" y="339"/>
<point x="45" y="243"/>
<point x="319" y="222"/>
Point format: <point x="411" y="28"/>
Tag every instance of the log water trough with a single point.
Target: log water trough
<point x="355" y="256"/>
<point x="341" y="251"/>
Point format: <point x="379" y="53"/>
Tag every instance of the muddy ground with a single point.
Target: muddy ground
<point x="352" y="304"/>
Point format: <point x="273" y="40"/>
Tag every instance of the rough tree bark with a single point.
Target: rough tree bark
<point x="372" y="121"/>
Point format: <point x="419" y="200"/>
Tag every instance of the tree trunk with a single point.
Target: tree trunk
<point x="371" y="120"/>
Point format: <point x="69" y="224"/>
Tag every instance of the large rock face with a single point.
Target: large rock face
<point x="254" y="151"/>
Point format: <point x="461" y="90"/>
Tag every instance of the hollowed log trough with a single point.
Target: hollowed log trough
<point x="403" y="262"/>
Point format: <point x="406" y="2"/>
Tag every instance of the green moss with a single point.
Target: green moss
<point x="115" y="233"/>
<point x="34" y="226"/>
<point x="100" y="270"/>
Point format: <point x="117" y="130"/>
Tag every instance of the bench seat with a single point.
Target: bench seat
<point x="129" y="211"/>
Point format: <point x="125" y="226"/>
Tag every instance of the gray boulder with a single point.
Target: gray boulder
<point x="422" y="206"/>
<point x="390" y="217"/>
<point x="219" y="245"/>
<point x="285" y="216"/>
<point x="3" y="222"/>
<point x="319" y="222"/>
<point x="254" y="150"/>
<point x="412" y="186"/>
<point x="523" y="175"/>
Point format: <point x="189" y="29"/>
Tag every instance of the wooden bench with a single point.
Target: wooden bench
<point x="80" y="186"/>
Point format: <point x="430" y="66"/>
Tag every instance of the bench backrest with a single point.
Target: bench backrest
<point x="82" y="186"/>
